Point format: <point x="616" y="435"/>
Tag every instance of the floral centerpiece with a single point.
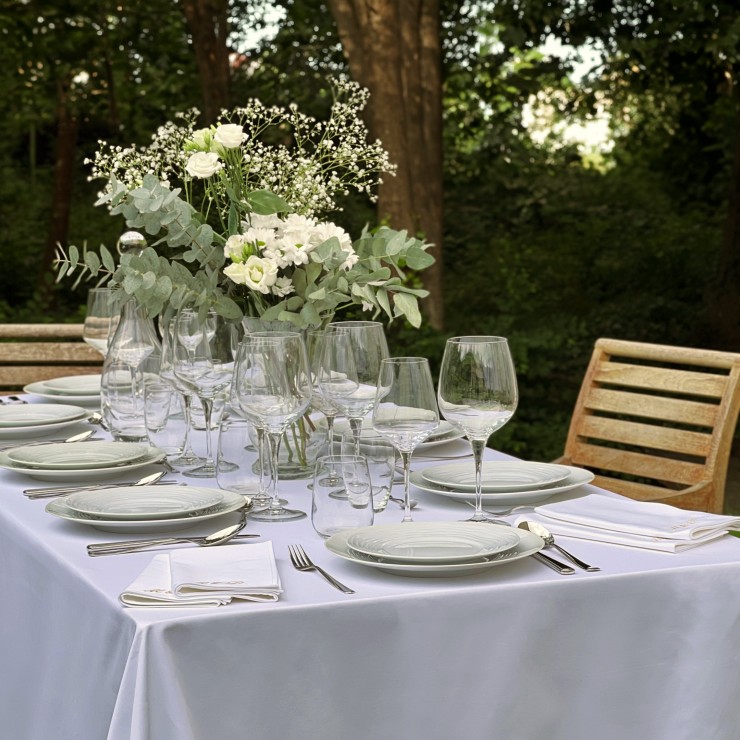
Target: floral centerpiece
<point x="237" y="216"/>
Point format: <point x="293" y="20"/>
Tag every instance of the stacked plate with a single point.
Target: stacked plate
<point x="445" y="432"/>
<point x="145" y="508"/>
<point x="504" y="483"/>
<point x="83" y="390"/>
<point x="433" y="549"/>
<point x="23" y="421"/>
<point x="64" y="461"/>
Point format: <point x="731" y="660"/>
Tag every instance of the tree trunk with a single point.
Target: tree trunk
<point x="208" y="21"/>
<point x="66" y="145"/>
<point x="393" y="48"/>
<point x="724" y="301"/>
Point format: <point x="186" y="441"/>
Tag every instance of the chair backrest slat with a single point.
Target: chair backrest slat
<point x="658" y="418"/>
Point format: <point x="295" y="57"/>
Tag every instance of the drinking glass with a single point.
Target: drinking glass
<point x="167" y="372"/>
<point x="273" y="391"/>
<point x="405" y="410"/>
<point x="331" y="514"/>
<point x="203" y="360"/>
<point x="237" y="460"/>
<point x="381" y="462"/>
<point x="477" y="394"/>
<point x="101" y="318"/>
<point x="165" y="425"/>
<point x="349" y="366"/>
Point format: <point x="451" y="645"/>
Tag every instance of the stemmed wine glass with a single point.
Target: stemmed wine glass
<point x="315" y="347"/>
<point x="349" y="368"/>
<point x="405" y="410"/>
<point x="477" y="394"/>
<point x="274" y="390"/>
<point x="203" y="360"/>
<point x="101" y="318"/>
<point x="167" y="372"/>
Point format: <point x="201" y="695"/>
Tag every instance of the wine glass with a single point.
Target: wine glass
<point x="349" y="368"/>
<point x="203" y="360"/>
<point x="477" y="394"/>
<point x="405" y="410"/>
<point x="315" y="348"/>
<point x="101" y="318"/>
<point x="274" y="390"/>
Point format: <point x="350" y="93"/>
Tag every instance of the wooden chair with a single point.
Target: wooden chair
<point x="656" y="423"/>
<point x="31" y="352"/>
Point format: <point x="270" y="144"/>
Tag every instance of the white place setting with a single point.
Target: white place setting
<point x="26" y="421"/>
<point x="82" y="390"/>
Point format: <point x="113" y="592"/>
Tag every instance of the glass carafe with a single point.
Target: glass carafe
<point x="134" y="355"/>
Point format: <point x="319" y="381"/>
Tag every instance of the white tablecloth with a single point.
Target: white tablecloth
<point x="647" y="648"/>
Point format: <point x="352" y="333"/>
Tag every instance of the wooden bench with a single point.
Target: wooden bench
<point x="656" y="423"/>
<point x="32" y="352"/>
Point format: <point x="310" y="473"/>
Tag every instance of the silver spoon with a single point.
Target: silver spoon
<point x="147" y="480"/>
<point x="541" y="531"/>
<point x="215" y="538"/>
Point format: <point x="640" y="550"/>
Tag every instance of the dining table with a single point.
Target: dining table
<point x="647" y="647"/>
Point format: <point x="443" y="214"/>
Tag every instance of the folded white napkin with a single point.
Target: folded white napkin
<point x="207" y="577"/>
<point x="624" y="521"/>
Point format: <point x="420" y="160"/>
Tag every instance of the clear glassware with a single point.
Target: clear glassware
<point x="134" y="354"/>
<point x="101" y="318"/>
<point x="349" y="367"/>
<point x="203" y="360"/>
<point x="237" y="462"/>
<point x="165" y="424"/>
<point x="381" y="462"/>
<point x="331" y="514"/>
<point x="477" y="394"/>
<point x="273" y="389"/>
<point x="187" y="458"/>
<point x="319" y="402"/>
<point x="405" y="410"/>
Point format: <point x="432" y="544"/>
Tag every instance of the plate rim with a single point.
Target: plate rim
<point x="435" y="570"/>
<point x="81" y="415"/>
<point x="71" y="393"/>
<point x="139" y="490"/>
<point x="502" y="547"/>
<point x="487" y="489"/>
<point x="88" y="445"/>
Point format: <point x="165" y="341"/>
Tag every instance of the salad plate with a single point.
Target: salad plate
<point x="36" y="423"/>
<point x="144" y="502"/>
<point x="75" y="385"/>
<point x="41" y="390"/>
<point x="528" y="545"/>
<point x="496" y="475"/>
<point x="231" y="502"/>
<point x="77" y="455"/>
<point x="431" y="542"/>
<point x="506" y="499"/>
<point x="151" y="455"/>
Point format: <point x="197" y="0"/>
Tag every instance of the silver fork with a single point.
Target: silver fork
<point x="302" y="562"/>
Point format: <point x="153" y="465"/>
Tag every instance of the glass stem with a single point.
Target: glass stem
<point x="186" y="448"/>
<point x="332" y="478"/>
<point x="478" y="446"/>
<point x="356" y="426"/>
<point x="406" y="458"/>
<point x="274" y="439"/>
<point x="207" y="404"/>
<point x="264" y="462"/>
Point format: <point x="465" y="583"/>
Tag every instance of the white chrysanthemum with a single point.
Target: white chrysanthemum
<point x="294" y="254"/>
<point x="283" y="286"/>
<point x="298" y="229"/>
<point x="260" y="239"/>
<point x="257" y="221"/>
<point x="324" y="231"/>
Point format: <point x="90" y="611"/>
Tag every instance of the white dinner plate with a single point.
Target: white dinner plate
<point x="144" y="502"/>
<point x="445" y="432"/>
<point x="77" y="455"/>
<point x="577" y="477"/>
<point x="34" y="415"/>
<point x="432" y="542"/>
<point x="496" y="475"/>
<point x="231" y="502"/>
<point x="75" y="385"/>
<point x="15" y="434"/>
<point x="528" y="545"/>
<point x="152" y="455"/>
<point x="41" y="390"/>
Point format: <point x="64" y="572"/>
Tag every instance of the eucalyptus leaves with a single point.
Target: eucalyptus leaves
<point x="211" y="198"/>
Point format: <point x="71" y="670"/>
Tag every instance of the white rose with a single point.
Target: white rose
<point x="203" y="164"/>
<point x="202" y="139"/>
<point x="234" y="247"/>
<point x="260" y="274"/>
<point x="237" y="272"/>
<point x="229" y="135"/>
